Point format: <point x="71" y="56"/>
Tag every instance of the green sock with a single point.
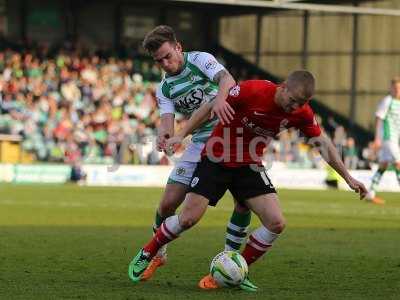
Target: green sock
<point x="236" y="230"/>
<point x="376" y="179"/>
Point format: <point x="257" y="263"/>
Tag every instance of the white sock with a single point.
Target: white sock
<point x="263" y="236"/>
<point x="173" y="226"/>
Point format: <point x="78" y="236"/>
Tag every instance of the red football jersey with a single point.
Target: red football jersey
<point x="257" y="120"/>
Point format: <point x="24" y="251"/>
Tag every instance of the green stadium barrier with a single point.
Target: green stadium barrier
<point x="39" y="173"/>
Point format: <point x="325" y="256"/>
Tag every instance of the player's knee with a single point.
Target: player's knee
<point x="240" y="208"/>
<point x="277" y="225"/>
<point x="187" y="220"/>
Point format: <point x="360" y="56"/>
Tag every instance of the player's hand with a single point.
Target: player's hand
<point x="161" y="142"/>
<point x="358" y="187"/>
<point x="223" y="110"/>
<point x="172" y="144"/>
<point x="377" y="144"/>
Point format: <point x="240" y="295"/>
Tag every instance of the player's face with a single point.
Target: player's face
<point x="169" y="57"/>
<point x="290" y="101"/>
<point x="396" y="90"/>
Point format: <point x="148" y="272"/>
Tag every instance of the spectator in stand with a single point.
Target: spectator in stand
<point x="369" y="155"/>
<point x="350" y="154"/>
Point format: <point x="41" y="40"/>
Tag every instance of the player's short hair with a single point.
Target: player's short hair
<point x="302" y="82"/>
<point x="158" y="36"/>
<point x="395" y="80"/>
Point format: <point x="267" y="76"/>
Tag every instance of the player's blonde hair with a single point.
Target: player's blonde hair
<point x="158" y="36"/>
<point x="302" y="82"/>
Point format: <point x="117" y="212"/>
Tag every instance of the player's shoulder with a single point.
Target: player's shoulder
<point x="256" y="83"/>
<point x="163" y="89"/>
<point x="258" y="88"/>
<point x="387" y="99"/>
<point x="198" y="57"/>
<point x="204" y="61"/>
<point x="384" y="104"/>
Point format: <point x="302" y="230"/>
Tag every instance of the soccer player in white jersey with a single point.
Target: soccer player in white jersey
<point x="387" y="137"/>
<point x="191" y="79"/>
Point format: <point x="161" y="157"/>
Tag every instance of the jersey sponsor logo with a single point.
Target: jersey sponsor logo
<point x="235" y="91"/>
<point x="193" y="78"/>
<point x="211" y="64"/>
<point x="257" y="129"/>
<point x="194" y="182"/>
<point x="190" y="101"/>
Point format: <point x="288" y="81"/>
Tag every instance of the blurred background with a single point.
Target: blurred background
<point x="77" y="91"/>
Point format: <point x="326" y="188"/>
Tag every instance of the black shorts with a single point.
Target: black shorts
<point x="211" y="180"/>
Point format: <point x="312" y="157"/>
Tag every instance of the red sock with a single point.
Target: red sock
<point x="254" y="250"/>
<point x="163" y="236"/>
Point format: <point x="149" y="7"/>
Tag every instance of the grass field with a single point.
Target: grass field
<point x="71" y="242"/>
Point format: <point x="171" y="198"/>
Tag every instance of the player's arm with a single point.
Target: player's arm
<point x="378" y="132"/>
<point x="330" y="155"/>
<point x="222" y="108"/>
<point x="165" y="131"/>
<point x="167" y="118"/>
<point x="197" y="118"/>
<point x="218" y="74"/>
<point x="380" y="114"/>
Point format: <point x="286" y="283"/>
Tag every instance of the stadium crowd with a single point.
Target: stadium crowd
<point x="74" y="106"/>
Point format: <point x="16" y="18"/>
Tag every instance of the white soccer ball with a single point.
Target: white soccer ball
<point x="229" y="269"/>
<point x="370" y="195"/>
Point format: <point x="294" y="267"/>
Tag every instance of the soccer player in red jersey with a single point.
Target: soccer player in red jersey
<point x="231" y="160"/>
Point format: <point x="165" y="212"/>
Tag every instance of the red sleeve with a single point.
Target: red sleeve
<point x="310" y="127"/>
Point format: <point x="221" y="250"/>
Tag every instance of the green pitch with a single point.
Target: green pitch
<point x="75" y="243"/>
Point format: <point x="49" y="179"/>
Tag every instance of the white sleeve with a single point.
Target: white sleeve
<point x="383" y="107"/>
<point x="165" y="105"/>
<point x="207" y="64"/>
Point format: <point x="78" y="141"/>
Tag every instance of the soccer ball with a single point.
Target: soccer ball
<point x="229" y="269"/>
<point x="370" y="195"/>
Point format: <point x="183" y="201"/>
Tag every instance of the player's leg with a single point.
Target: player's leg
<point x="193" y="209"/>
<point x="396" y="159"/>
<point x="207" y="187"/>
<point x="376" y="179"/>
<point x="237" y="228"/>
<point x="397" y="169"/>
<point x="178" y="183"/>
<point x="387" y="155"/>
<point x="173" y="196"/>
<point x="267" y="208"/>
<point x="236" y="233"/>
<point x="175" y="191"/>
<point x="255" y="189"/>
